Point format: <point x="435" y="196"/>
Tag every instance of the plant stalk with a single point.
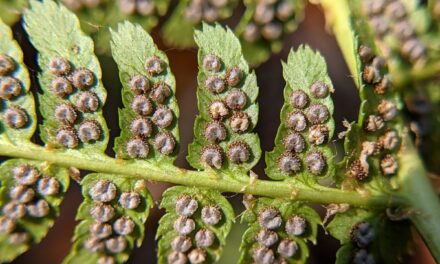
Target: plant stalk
<point x="424" y="202"/>
<point x="209" y="179"/>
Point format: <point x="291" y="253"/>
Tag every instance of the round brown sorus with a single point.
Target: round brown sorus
<point x="358" y="169"/>
<point x="164" y="143"/>
<point x="163" y="117"/>
<point x="373" y="123"/>
<point x="233" y="76"/>
<point x="103" y="191"/>
<point x="139" y="84"/>
<point x="263" y="254"/>
<point x="239" y="152"/>
<point x="7" y="65"/>
<point x="197" y="256"/>
<point x="65" y="113"/>
<point x="296" y="121"/>
<point x="287" y="248"/>
<point x="289" y="163"/>
<point x="212" y="63"/>
<point x="387" y="109"/>
<point x="296" y="225"/>
<point x="365" y="53"/>
<point x="319" y="89"/>
<point x="362" y="234"/>
<point x="215" y="84"/>
<point x="294" y="142"/>
<point x="218" y="110"/>
<point x="9" y="88"/>
<point x="161" y="91"/>
<point x="154" y="65"/>
<point x="181" y="244"/>
<point x="141" y="105"/>
<point x="141" y="126"/>
<point x="388" y="165"/>
<point x="317" y="114"/>
<point x="61" y="86"/>
<point x="25" y="174"/>
<point x="59" y="66"/>
<point x="184" y="225"/>
<point x="239" y="122"/>
<point x="67" y="137"/>
<point x="15" y="117"/>
<point x="137" y="148"/>
<point x="264" y="13"/>
<point x="267" y="238"/>
<point x="215" y="131"/>
<point x="83" y="78"/>
<point x="285" y="10"/>
<point x="315" y="162"/>
<point x="89" y="130"/>
<point x="129" y="200"/>
<point x="211" y="215"/>
<point x="204" y="238"/>
<point x="87" y="102"/>
<point x="116" y="244"/>
<point x="318" y="134"/>
<point x="251" y="33"/>
<point x="299" y="99"/>
<point x="270" y="218"/>
<point x="212" y="155"/>
<point x="236" y="99"/>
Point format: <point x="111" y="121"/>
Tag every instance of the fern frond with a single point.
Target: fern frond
<point x="148" y="121"/>
<point x="18" y="119"/>
<point x="30" y="193"/>
<point x="73" y="95"/>
<point x="228" y="111"/>
<point x="278" y="231"/>
<point x="301" y="144"/>
<point x="195" y="225"/>
<point x="112" y="216"/>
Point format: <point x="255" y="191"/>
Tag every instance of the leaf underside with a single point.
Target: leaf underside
<point x="204" y="197"/>
<point x="304" y="68"/>
<point x="215" y="40"/>
<point x="286" y="209"/>
<point x="29" y="228"/>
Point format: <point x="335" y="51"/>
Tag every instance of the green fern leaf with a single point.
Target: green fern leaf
<point x="151" y="132"/>
<point x="195" y="225"/>
<point x="112" y="217"/>
<point x="73" y="95"/>
<point x="18" y="120"/>
<point x="232" y="113"/>
<point x="189" y="14"/>
<point x="10" y="10"/>
<point x="369" y="236"/>
<point x="264" y="26"/>
<point x="307" y="125"/>
<point x="278" y="231"/>
<point x="30" y="193"/>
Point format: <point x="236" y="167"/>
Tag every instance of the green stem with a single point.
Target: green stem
<point x="424" y="203"/>
<point x="209" y="179"/>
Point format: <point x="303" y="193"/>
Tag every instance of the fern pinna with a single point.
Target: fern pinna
<point x="372" y="194"/>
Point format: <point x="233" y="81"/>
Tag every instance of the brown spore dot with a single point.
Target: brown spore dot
<point x="299" y="99"/>
<point x="65" y="113"/>
<point x="15" y="117"/>
<point x="141" y="126"/>
<point x="87" y="102"/>
<point x="7" y="65"/>
<point x="59" y="66"/>
<point x="296" y="121"/>
<point x="289" y="163"/>
<point x="89" y="130"/>
<point x="317" y="114"/>
<point x="315" y="162"/>
<point x="160" y="92"/>
<point x="141" y="105"/>
<point x="67" y="137"/>
<point x="139" y="84"/>
<point x="61" y="86"/>
<point x="212" y="156"/>
<point x="212" y="63"/>
<point x="215" y="84"/>
<point x="218" y="110"/>
<point x="164" y="143"/>
<point x="10" y="88"/>
<point x="215" y="131"/>
<point x="240" y="122"/>
<point x="239" y="152"/>
<point x="137" y="148"/>
<point x="163" y="117"/>
<point x="83" y="78"/>
<point x="236" y="99"/>
<point x="294" y="142"/>
<point x="233" y="76"/>
<point x="154" y="65"/>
